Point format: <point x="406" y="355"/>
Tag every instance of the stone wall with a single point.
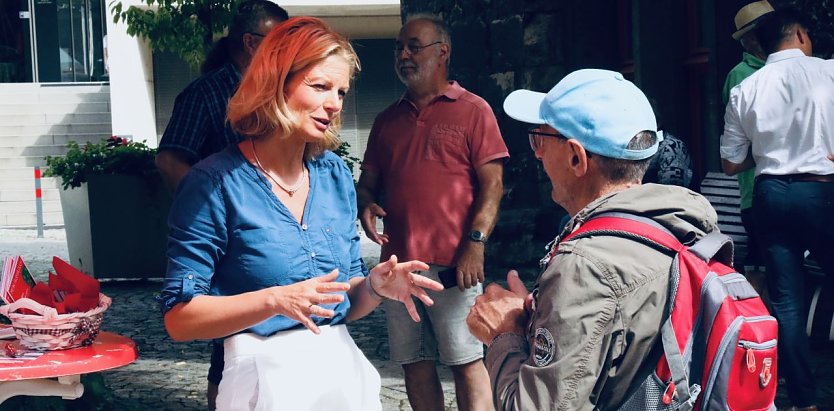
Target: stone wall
<point x="500" y="46"/>
<point x="677" y="52"/>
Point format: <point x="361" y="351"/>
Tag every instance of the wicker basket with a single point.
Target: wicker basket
<point x="48" y="330"/>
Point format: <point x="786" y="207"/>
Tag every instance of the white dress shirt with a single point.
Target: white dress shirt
<point x="785" y="111"/>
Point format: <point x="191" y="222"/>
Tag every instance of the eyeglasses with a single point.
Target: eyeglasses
<point x="535" y="137"/>
<point x="412" y="48"/>
<point x="256" y="34"/>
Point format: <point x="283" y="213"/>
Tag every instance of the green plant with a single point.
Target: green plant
<point x="184" y="27"/>
<point x="114" y="155"/>
<point x="344" y="152"/>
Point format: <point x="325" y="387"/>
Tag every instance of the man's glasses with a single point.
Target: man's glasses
<point x="256" y="34"/>
<point x="412" y="48"/>
<point x="535" y="136"/>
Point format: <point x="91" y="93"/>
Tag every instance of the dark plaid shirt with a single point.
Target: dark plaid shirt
<point x="198" y="125"/>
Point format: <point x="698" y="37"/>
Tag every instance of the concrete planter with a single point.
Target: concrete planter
<point x="116" y="226"/>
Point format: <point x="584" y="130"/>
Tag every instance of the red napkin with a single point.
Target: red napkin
<point x="68" y="291"/>
<point x="84" y="296"/>
<point x="43" y="294"/>
<point x="60" y="286"/>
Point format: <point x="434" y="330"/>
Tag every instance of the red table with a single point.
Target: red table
<point x="36" y="376"/>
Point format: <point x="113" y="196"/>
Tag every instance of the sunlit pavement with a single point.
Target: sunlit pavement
<point x="171" y="375"/>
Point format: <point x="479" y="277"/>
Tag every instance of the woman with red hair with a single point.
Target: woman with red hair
<point x="263" y="249"/>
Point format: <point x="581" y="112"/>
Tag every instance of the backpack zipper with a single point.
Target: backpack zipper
<point x="749" y="355"/>
<point x="726" y="340"/>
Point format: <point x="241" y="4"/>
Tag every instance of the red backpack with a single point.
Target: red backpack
<point x="719" y="341"/>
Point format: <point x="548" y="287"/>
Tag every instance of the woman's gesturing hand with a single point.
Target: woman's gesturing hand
<point x="302" y="300"/>
<point x="395" y="281"/>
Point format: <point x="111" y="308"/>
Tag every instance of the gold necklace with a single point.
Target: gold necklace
<point x="290" y="190"/>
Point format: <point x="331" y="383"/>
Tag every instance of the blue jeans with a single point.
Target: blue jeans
<point x="793" y="216"/>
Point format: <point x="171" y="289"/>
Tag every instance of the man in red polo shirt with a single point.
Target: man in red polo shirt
<point x="433" y="170"/>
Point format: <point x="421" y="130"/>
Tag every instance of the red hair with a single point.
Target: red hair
<point x="259" y="107"/>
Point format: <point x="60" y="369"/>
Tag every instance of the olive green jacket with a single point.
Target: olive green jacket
<point x="597" y="310"/>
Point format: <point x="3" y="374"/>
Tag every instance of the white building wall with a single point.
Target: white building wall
<point x="131" y="82"/>
<point x="133" y="104"/>
<point x="372" y="25"/>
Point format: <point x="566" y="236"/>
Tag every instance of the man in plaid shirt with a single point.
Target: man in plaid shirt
<point x="198" y="126"/>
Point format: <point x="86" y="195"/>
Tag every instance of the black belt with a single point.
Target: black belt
<point x="803" y="177"/>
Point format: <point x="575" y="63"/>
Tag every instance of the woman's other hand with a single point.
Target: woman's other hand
<point x="396" y="281"/>
<point x="302" y="300"/>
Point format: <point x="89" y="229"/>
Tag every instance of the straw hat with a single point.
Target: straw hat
<point x="747" y="16"/>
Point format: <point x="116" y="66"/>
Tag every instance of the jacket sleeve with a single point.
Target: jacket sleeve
<point x="568" y="346"/>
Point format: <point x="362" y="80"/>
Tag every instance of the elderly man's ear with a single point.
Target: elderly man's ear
<point x="578" y="158"/>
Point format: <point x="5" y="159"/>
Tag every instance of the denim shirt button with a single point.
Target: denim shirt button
<point x="304" y="227"/>
<point x="190" y="276"/>
<point x="313" y="254"/>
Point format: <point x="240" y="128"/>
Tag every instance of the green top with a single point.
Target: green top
<point x="748" y="65"/>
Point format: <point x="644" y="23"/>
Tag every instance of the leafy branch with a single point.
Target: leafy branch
<point x="343" y="151"/>
<point x="184" y="27"/>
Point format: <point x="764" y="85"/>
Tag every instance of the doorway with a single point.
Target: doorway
<point x="52" y="41"/>
<point x="15" y="42"/>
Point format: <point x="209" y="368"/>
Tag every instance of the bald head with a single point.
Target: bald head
<point x="428" y="21"/>
<point x="422" y="52"/>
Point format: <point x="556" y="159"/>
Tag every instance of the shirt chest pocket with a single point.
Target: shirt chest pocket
<point x="338" y="240"/>
<point x="266" y="256"/>
<point x="447" y="144"/>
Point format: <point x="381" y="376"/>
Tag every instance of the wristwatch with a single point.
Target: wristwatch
<point x="477" y="236"/>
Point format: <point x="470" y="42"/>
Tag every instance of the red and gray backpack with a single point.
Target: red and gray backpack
<point x="718" y="339"/>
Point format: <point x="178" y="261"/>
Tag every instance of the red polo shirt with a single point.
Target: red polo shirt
<point x="426" y="161"/>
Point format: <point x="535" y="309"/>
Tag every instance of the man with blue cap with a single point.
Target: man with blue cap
<point x="586" y="333"/>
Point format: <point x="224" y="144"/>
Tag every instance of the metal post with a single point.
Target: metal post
<point x="39" y="201"/>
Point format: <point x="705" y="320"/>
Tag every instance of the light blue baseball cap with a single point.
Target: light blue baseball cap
<point x="599" y="108"/>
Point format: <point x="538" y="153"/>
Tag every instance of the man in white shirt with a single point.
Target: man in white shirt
<point x="779" y="120"/>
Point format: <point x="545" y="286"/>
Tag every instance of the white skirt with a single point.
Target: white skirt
<point x="298" y="370"/>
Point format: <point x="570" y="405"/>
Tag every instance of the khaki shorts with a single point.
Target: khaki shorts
<point x="442" y="328"/>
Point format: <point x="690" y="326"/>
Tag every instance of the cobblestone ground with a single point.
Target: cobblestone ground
<point x="171" y="376"/>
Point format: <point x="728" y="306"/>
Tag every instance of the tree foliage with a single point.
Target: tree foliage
<point x="184" y="27"/>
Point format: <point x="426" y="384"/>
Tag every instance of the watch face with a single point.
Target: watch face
<point x="477" y="236"/>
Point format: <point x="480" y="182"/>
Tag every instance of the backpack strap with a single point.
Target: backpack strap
<point x="714" y="245"/>
<point x="652" y="234"/>
<point x="631" y="226"/>
<point x="686" y="395"/>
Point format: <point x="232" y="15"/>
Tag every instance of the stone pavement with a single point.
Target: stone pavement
<point x="171" y="375"/>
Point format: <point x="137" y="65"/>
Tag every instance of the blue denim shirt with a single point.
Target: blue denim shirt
<point x="229" y="234"/>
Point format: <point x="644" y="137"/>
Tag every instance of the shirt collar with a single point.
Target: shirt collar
<point x="784" y="55"/>
<point x="752" y="60"/>
<point x="453" y="92"/>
